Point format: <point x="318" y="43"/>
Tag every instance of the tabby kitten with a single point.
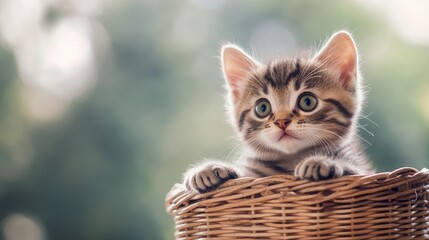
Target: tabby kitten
<point x="293" y="116"/>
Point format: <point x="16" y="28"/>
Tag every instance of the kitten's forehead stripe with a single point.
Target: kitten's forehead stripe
<point x="314" y="82"/>
<point x="264" y="88"/>
<point x="279" y="73"/>
<point x="303" y="74"/>
<point x="340" y="107"/>
<point x="259" y="84"/>
<point x="269" y="77"/>
<point x="294" y="73"/>
<point x="297" y="84"/>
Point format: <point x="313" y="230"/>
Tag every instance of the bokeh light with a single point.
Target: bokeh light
<point x="21" y="227"/>
<point x="56" y="60"/>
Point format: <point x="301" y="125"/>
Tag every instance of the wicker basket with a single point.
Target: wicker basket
<point x="380" y="206"/>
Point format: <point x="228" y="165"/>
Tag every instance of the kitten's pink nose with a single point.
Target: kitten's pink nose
<point x="282" y="123"/>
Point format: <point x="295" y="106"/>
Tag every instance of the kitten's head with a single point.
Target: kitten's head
<point x="291" y="104"/>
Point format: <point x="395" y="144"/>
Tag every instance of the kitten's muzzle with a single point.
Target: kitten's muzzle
<point x="282" y="123"/>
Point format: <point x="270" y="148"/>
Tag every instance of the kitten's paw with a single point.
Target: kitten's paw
<point x="209" y="176"/>
<point x="318" y="168"/>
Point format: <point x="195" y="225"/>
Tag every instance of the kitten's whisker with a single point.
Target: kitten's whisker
<point x="254" y="142"/>
<point x="318" y="140"/>
<point x="343" y="141"/>
<point x="355" y="134"/>
<point x="316" y="70"/>
<point x="367" y="118"/>
<point x="366" y="130"/>
<point x="311" y="77"/>
<point x="327" y="141"/>
<point x="227" y="158"/>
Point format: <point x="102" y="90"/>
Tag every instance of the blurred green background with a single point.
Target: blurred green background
<point x="104" y="104"/>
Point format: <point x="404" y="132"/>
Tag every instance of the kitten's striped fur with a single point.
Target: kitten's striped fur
<point x="317" y="144"/>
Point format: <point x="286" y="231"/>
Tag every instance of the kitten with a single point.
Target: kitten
<point x="293" y="115"/>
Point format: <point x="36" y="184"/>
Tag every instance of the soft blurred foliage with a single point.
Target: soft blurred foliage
<point x="104" y="104"/>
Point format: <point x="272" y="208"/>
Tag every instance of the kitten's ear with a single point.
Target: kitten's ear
<point x="236" y="65"/>
<point x="340" y="54"/>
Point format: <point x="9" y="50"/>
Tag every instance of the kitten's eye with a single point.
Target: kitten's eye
<point x="307" y="102"/>
<point x="262" y="108"/>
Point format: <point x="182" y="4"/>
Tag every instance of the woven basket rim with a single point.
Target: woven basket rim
<point x="179" y="200"/>
<point x="389" y="205"/>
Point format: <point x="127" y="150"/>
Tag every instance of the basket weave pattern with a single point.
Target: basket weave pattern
<point x="381" y="206"/>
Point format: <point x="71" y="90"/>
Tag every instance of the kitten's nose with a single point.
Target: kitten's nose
<point x="282" y="123"/>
